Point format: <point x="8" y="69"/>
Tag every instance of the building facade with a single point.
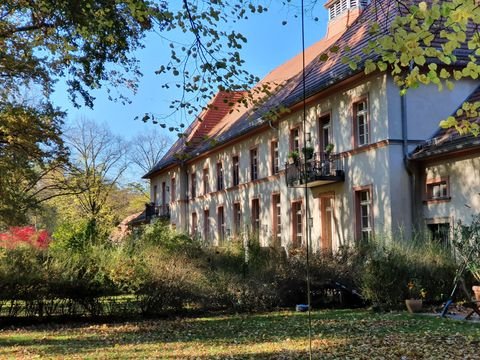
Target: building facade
<point x="341" y="170"/>
<point x="447" y="169"/>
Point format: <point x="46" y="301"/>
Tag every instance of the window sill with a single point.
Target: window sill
<point x="437" y="200"/>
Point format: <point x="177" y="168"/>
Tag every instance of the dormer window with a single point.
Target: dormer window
<point x="338" y="7"/>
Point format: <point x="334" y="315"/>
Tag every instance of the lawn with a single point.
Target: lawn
<point x="337" y="334"/>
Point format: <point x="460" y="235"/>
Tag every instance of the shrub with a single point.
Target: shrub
<point x="168" y="283"/>
<point x="327" y="270"/>
<point x="385" y="276"/>
<point x="166" y="239"/>
<point x="81" y="277"/>
<point x="24" y="235"/>
<point x="165" y="271"/>
<point x="389" y="269"/>
<point x="467" y="242"/>
<point x="22" y="275"/>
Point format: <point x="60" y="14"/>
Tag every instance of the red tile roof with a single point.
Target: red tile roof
<point x="320" y="75"/>
<point x="224" y="118"/>
<point x="222" y="104"/>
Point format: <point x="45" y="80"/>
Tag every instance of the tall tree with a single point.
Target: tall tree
<point x="32" y="155"/>
<point x="99" y="160"/>
<point x="147" y="149"/>
<point x="45" y="39"/>
<point x="93" y="41"/>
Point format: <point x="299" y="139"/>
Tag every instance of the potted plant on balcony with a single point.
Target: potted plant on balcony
<point x="329" y="148"/>
<point x="308" y="152"/>
<point x="293" y="157"/>
<point x="416" y="296"/>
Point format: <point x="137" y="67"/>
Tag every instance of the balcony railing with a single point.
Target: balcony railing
<point x="159" y="211"/>
<point x="321" y="169"/>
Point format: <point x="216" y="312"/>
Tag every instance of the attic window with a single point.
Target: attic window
<point x="336" y="8"/>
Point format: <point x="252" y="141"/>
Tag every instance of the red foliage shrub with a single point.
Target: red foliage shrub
<point x="24" y="235"/>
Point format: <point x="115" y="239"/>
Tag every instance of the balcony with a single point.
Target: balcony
<point x="157" y="211"/>
<point x="320" y="169"/>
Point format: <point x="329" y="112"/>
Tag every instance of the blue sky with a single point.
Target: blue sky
<point x="269" y="44"/>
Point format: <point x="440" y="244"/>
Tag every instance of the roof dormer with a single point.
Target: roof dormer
<point x="337" y="8"/>
<point x="342" y="13"/>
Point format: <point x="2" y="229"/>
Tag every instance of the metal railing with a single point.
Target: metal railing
<point x="321" y="166"/>
<point x="160" y="211"/>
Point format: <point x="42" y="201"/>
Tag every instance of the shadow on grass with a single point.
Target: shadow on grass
<point x="217" y="331"/>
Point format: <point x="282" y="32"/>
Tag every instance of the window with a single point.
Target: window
<point x="219" y="176"/>
<point x="295" y="140"/>
<point x="277" y="219"/>
<point x="275" y="158"/>
<point x="235" y="170"/>
<point x="256" y="216"/>
<point x="364" y="214"/>
<point x="194" y="186"/>
<point x="440" y="233"/>
<point x="237" y="218"/>
<point x="194" y="224"/>
<point x="438" y="189"/>
<point x="164" y="196"/>
<point x="173" y="190"/>
<point x="206" y="183"/>
<point x="297" y="224"/>
<point x="325" y="132"/>
<point x="361" y="126"/>
<point x="206" y="225"/>
<point x="155" y="195"/>
<point x="221" y="224"/>
<point x="253" y="165"/>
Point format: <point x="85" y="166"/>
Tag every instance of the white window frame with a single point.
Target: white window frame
<point x="362" y="114"/>
<point x="365" y="204"/>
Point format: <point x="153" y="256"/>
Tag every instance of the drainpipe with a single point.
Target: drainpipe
<point x="406" y="159"/>
<point x="187" y="202"/>
<point x="271" y="125"/>
<point x="403" y="112"/>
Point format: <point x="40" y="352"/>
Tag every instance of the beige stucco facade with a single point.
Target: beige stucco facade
<point x="377" y="167"/>
<point x="462" y="200"/>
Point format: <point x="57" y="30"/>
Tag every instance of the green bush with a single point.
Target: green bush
<point x="22" y="274"/>
<point x="161" y="271"/>
<point x="390" y="268"/>
<point x="166" y="239"/>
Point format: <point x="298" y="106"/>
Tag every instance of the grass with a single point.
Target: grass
<point x="337" y="334"/>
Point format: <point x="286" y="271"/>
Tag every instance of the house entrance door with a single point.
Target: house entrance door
<point x="326" y="210"/>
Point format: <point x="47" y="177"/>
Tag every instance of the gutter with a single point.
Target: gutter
<point x="322" y="92"/>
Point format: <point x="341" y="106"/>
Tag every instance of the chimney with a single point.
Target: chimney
<point x="341" y="14"/>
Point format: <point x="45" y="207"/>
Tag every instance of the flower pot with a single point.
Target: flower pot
<point x="476" y="291"/>
<point x="414" y="305"/>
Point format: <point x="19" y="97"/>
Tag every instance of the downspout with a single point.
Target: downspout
<point x="403" y="112"/>
<point x="187" y="202"/>
<point x="406" y="158"/>
<point x="271" y="125"/>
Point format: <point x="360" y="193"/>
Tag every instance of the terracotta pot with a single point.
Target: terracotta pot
<point x="414" y="305"/>
<point x="476" y="291"/>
